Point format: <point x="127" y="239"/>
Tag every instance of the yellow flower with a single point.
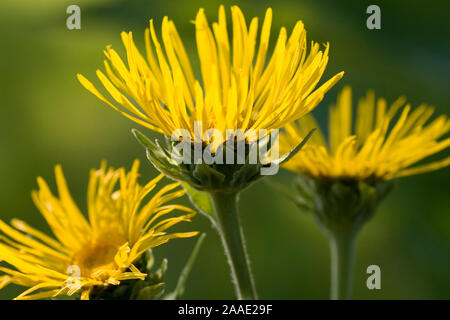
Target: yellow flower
<point x="240" y="89"/>
<point x="100" y="251"/>
<point x="381" y="148"/>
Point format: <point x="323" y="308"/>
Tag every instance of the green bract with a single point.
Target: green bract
<point x="216" y="177"/>
<point x="339" y="204"/>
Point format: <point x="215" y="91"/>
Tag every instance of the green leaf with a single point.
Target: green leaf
<point x="159" y="274"/>
<point x="146" y="142"/>
<point x="305" y="187"/>
<point x="150" y="260"/>
<point x="199" y="199"/>
<point x="155" y="152"/>
<point x="287" y="156"/>
<point x="151" y="292"/>
<point x="179" y="290"/>
<point x="168" y="169"/>
<point x="162" y="150"/>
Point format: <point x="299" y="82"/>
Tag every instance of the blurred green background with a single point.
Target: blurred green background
<point x="48" y="118"/>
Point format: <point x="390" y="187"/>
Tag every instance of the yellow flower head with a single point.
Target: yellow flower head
<point x="384" y="144"/>
<point x="239" y="88"/>
<point x="123" y="223"/>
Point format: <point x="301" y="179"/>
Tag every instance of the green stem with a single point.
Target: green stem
<point x="342" y="246"/>
<point x="230" y="231"/>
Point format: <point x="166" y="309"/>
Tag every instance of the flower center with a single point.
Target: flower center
<point x="96" y="258"/>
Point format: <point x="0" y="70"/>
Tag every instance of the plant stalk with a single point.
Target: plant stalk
<point x="342" y="247"/>
<point x="229" y="227"/>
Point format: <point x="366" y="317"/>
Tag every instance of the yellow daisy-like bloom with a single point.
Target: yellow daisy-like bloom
<point x="100" y="251"/>
<point x="239" y="90"/>
<point x="380" y="148"/>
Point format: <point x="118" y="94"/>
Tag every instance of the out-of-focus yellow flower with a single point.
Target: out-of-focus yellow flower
<point x="380" y="148"/>
<point x="238" y="90"/>
<point x="123" y="223"/>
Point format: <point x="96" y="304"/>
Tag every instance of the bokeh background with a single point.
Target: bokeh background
<point x="48" y="118"/>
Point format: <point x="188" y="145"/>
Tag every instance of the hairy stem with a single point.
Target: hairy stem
<point x="230" y="231"/>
